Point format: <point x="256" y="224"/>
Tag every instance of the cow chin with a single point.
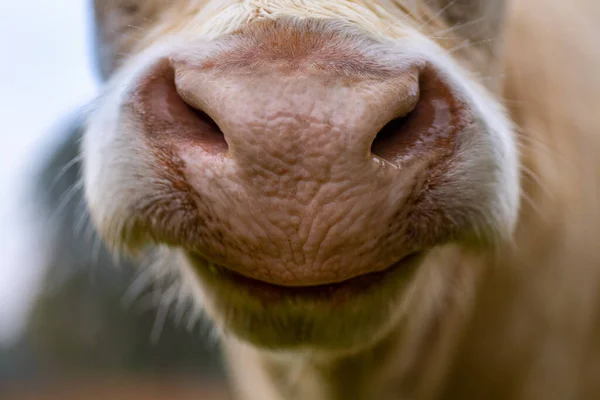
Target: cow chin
<point x="305" y="216"/>
<point x="319" y="318"/>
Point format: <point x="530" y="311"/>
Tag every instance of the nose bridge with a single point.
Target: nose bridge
<point x="301" y="115"/>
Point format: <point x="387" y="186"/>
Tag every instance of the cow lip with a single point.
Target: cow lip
<point x="331" y="291"/>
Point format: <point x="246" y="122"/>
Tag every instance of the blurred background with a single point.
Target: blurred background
<point x="72" y="324"/>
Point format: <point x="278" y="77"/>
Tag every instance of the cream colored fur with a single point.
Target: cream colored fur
<point x="535" y="332"/>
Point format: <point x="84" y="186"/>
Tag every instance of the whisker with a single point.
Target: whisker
<point x="136" y="288"/>
<point x="65" y="168"/>
<point x="456" y="27"/>
<point x="465" y="44"/>
<point x="83" y="220"/>
<point x="534" y="206"/>
<point x="66" y="197"/>
<point x="437" y="14"/>
<point x="163" y="310"/>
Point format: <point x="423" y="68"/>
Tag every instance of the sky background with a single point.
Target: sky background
<point x="45" y="73"/>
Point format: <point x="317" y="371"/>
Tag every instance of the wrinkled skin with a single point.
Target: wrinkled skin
<point x="329" y="178"/>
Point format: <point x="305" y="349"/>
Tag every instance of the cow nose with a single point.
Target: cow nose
<point x="295" y="176"/>
<point x="305" y="118"/>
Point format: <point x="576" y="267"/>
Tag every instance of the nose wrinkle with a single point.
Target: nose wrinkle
<point x="299" y="151"/>
<point x="293" y="129"/>
<point x="289" y="176"/>
<point x="297" y="177"/>
<point x="295" y="154"/>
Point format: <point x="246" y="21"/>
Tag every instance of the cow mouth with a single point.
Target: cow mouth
<point x="332" y="292"/>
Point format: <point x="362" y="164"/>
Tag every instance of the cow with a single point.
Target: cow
<point x="371" y="199"/>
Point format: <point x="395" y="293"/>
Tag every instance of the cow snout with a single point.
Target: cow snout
<point x="301" y="171"/>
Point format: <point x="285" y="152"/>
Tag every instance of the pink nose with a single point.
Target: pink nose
<point x="300" y="168"/>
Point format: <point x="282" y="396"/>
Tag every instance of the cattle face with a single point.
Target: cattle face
<point x="309" y="168"/>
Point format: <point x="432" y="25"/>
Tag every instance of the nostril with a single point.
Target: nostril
<point x="200" y="128"/>
<point x="394" y="139"/>
<point x="428" y="124"/>
<point x="169" y="115"/>
<point x="206" y="119"/>
<point x="208" y="131"/>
